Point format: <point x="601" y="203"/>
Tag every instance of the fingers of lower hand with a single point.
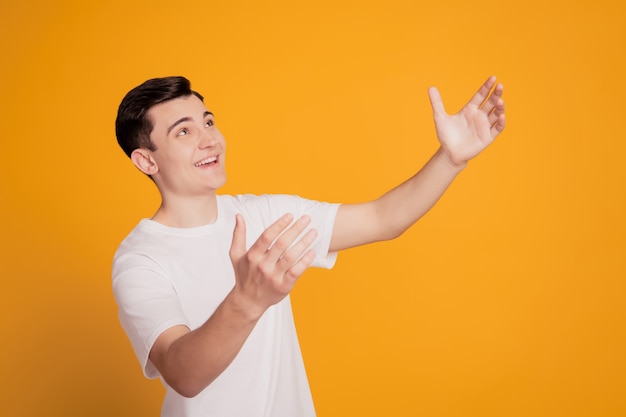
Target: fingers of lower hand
<point x="272" y="257"/>
<point x="293" y="261"/>
<point x="299" y="267"/>
<point x="295" y="252"/>
<point x="278" y="247"/>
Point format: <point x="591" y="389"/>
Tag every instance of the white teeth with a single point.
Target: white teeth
<point x="206" y="161"/>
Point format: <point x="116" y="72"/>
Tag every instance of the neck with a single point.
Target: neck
<point x="184" y="212"/>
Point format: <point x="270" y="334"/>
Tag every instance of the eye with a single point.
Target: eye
<point x="183" y="132"/>
<point x="209" y="123"/>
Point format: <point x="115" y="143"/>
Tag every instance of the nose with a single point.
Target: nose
<point x="208" y="139"/>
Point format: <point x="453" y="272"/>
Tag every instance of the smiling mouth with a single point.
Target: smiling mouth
<point x="207" y="161"/>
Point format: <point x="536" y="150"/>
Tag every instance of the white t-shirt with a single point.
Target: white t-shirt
<point x="164" y="276"/>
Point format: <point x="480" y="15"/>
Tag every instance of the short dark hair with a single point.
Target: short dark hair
<point x="132" y="127"/>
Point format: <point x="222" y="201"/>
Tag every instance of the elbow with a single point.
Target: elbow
<point x="391" y="233"/>
<point x="186" y="385"/>
<point x="189" y="393"/>
<point x="186" y="389"/>
<point x="390" y="225"/>
<point x="382" y="234"/>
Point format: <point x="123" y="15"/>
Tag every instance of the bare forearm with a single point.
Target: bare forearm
<point x="196" y="359"/>
<point x="405" y="204"/>
<point x="264" y="276"/>
<point x="390" y="215"/>
<point x="463" y="136"/>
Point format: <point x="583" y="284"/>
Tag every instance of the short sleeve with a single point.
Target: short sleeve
<point x="261" y="211"/>
<point x="322" y="219"/>
<point x="147" y="304"/>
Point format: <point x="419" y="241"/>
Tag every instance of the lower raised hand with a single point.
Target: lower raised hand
<point x="267" y="272"/>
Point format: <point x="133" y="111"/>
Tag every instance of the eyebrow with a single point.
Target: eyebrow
<point x="186" y="119"/>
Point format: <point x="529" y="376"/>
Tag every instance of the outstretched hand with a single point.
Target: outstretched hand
<point x="465" y="134"/>
<point x="267" y="272"/>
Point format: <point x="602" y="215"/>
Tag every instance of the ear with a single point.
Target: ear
<point x="144" y="162"/>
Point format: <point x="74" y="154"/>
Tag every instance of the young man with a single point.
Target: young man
<point x="203" y="286"/>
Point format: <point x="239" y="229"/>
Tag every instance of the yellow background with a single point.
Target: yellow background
<point x="506" y="300"/>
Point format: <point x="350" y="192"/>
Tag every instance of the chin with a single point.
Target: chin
<point x="219" y="183"/>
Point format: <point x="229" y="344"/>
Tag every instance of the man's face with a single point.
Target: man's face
<point x="190" y="151"/>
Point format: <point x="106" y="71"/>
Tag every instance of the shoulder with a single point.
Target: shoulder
<point x="275" y="205"/>
<point x="252" y="200"/>
<point x="151" y="245"/>
<point x="261" y="205"/>
<point x="143" y="235"/>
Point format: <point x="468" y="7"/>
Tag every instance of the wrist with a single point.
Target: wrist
<point x="449" y="161"/>
<point x="241" y="306"/>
